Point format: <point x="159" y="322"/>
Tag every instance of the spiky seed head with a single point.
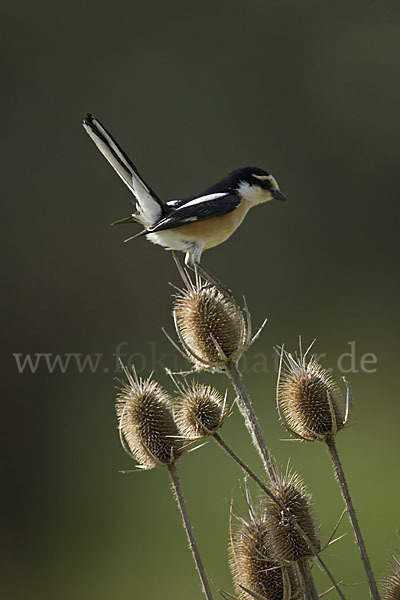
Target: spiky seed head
<point x="287" y="544"/>
<point x="311" y="401"/>
<point x="199" y="410"/>
<point x="211" y="326"/>
<point x="145" y="417"/>
<point x="253" y="567"/>
<point x="391" y="583"/>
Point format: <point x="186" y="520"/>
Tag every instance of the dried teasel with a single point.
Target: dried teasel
<point x="309" y="402"/>
<point x="199" y="410"/>
<point x="253" y="567"/>
<point x="391" y="583"/>
<point x="210" y="325"/>
<point x="285" y="542"/>
<point x="147" y="428"/>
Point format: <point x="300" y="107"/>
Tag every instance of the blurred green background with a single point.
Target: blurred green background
<point x="308" y="90"/>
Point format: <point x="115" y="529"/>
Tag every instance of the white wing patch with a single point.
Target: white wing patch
<point x="203" y="199"/>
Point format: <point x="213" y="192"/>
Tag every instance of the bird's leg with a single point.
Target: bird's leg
<point x="197" y="267"/>
<point x="212" y="279"/>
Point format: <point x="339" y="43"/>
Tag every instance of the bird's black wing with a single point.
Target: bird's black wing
<point x="196" y="209"/>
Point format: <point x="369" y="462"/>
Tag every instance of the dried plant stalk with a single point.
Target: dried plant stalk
<point x="311" y="408"/>
<point x="337" y="465"/>
<point x="291" y="519"/>
<point x="251" y="421"/>
<point x="150" y="435"/>
<point x="189" y="531"/>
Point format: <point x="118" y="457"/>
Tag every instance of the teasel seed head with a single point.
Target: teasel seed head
<point x="252" y="565"/>
<point x="309" y="402"/>
<point x="199" y="410"/>
<point x="287" y="545"/>
<point x="391" y="584"/>
<point x="210" y="326"/>
<point x="147" y="428"/>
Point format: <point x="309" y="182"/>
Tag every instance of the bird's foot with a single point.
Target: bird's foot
<point x="212" y="280"/>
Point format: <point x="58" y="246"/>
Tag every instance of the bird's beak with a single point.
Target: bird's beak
<point x="129" y="219"/>
<point x="277" y="195"/>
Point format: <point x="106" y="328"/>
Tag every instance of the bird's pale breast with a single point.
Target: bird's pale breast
<point x="216" y="230"/>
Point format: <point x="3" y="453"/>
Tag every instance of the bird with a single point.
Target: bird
<point x="195" y="223"/>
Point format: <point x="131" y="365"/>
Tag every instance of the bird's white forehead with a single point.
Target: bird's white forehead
<point x="271" y="178"/>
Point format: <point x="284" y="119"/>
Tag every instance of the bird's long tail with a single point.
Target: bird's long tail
<point x="148" y="206"/>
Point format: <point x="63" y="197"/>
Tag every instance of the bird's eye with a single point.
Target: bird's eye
<point x="263" y="180"/>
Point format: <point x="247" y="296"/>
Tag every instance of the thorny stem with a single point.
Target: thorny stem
<point x="337" y="465"/>
<point x="310" y="591"/>
<point x="285" y="511"/>
<point x="189" y="531"/>
<point x="251" y="420"/>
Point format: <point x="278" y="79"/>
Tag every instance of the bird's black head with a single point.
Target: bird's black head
<point x="252" y="183"/>
<point x="255" y="184"/>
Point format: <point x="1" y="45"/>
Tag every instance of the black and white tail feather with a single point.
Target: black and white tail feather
<point x="148" y="207"/>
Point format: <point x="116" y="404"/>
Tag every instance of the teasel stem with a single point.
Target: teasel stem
<point x="251" y="420"/>
<point x="310" y="591"/>
<point x="189" y="531"/>
<point x="337" y="465"/>
<point x="287" y="513"/>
